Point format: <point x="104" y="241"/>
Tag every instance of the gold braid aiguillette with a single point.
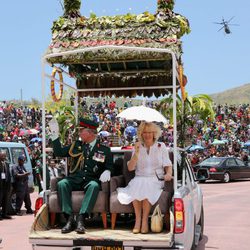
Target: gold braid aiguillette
<point x="80" y="159"/>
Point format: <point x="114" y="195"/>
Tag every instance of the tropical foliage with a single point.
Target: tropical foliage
<point x="72" y="7"/>
<point x="197" y="107"/>
<point x="66" y="120"/>
<point x="162" y="29"/>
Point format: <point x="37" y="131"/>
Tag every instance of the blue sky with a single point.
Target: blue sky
<point x="213" y="61"/>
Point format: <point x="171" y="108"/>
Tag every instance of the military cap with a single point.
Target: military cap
<point x="86" y="123"/>
<point x="21" y="158"/>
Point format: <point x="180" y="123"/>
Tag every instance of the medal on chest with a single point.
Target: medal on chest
<point x="99" y="156"/>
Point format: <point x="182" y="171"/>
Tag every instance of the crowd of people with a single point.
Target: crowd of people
<point x="231" y="127"/>
<point x="224" y="135"/>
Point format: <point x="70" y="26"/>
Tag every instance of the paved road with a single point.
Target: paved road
<point x="14" y="232"/>
<point x="227" y="219"/>
<point x="227" y="215"/>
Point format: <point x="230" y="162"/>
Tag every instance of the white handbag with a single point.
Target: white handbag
<point x="157" y="220"/>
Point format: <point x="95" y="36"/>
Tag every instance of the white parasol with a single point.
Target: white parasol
<point x="142" y="113"/>
<point x="218" y="142"/>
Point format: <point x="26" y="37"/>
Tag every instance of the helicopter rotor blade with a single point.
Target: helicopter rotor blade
<point x="221" y="28"/>
<point x="218" y="23"/>
<point x="230" y="19"/>
<point x="233" y="24"/>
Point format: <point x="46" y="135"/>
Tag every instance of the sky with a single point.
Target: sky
<point x="213" y="61"/>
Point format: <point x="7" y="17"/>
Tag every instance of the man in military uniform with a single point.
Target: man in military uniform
<point x="92" y="163"/>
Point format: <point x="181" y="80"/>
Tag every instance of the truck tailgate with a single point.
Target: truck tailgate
<point x="111" y="239"/>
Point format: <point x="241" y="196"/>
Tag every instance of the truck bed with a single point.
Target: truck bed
<point x="41" y="236"/>
<point x="100" y="237"/>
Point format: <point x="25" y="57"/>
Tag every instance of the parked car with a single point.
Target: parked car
<point x="224" y="168"/>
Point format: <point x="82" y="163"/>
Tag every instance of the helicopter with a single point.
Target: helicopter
<point x="225" y="25"/>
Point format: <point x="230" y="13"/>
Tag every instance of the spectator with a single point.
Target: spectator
<point x="21" y="185"/>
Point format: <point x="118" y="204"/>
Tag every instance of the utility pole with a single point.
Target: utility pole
<point x="21" y="97"/>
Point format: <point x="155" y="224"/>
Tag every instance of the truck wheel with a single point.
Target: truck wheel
<point x="193" y="247"/>
<point x="201" y="223"/>
<point x="226" y="177"/>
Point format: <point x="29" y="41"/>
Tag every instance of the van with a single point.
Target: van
<point x="13" y="150"/>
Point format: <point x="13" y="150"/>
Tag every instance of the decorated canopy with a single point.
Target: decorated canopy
<point x="108" y="67"/>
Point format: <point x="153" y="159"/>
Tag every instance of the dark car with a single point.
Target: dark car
<point x="224" y="168"/>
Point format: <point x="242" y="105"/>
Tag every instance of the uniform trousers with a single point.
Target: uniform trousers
<point x="76" y="183"/>
<point x="22" y="195"/>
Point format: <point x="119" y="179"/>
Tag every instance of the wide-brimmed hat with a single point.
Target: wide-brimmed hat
<point x="86" y="123"/>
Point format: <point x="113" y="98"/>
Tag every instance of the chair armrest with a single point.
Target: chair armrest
<point x="115" y="182"/>
<point x="53" y="183"/>
<point x="105" y="186"/>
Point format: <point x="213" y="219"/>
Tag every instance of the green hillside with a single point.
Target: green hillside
<point x="236" y="96"/>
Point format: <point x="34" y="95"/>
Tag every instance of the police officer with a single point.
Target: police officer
<point x="20" y="175"/>
<point x="92" y="164"/>
<point x="5" y="185"/>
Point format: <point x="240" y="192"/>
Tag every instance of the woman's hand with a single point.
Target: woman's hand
<point x="167" y="177"/>
<point x="137" y="149"/>
<point x="132" y="163"/>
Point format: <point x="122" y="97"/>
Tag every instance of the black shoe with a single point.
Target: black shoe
<point x="80" y="229"/>
<point x="5" y="216"/>
<point x="70" y="226"/>
<point x="19" y="213"/>
<point x="29" y="211"/>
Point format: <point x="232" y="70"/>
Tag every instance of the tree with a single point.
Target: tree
<point x="188" y="112"/>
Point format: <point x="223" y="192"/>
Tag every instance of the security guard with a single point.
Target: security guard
<point x="92" y="163"/>
<point x="20" y="175"/>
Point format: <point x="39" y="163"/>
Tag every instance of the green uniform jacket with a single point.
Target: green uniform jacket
<point x="93" y="165"/>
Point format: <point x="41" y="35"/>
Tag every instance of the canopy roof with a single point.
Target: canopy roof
<point x="108" y="67"/>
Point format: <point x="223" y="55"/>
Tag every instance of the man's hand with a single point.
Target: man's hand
<point x="54" y="129"/>
<point x="105" y="176"/>
<point x="168" y="177"/>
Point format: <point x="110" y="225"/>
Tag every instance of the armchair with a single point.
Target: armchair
<point x="116" y="207"/>
<point x="101" y="206"/>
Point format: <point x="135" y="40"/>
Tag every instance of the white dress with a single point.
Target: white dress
<point x="145" y="184"/>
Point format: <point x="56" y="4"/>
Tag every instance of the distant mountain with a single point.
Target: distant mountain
<point x="236" y="96"/>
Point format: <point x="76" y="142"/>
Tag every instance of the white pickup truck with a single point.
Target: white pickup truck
<point x="186" y="221"/>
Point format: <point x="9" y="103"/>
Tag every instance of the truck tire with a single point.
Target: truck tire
<point x="201" y="223"/>
<point x="193" y="247"/>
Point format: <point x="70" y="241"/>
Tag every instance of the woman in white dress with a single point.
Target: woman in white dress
<point x="149" y="157"/>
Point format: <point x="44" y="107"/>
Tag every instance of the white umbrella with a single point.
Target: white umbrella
<point x="218" y="142"/>
<point x="33" y="131"/>
<point x="104" y="133"/>
<point x="142" y="113"/>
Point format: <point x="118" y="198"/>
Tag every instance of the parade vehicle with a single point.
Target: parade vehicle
<point x="122" y="56"/>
